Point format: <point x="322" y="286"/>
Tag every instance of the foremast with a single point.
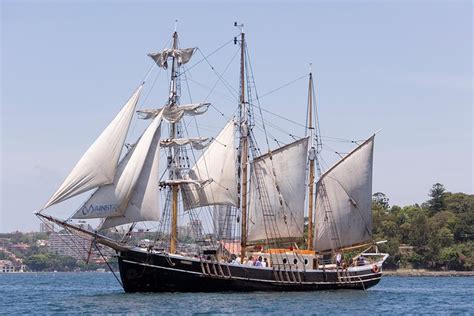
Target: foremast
<point x="174" y="173"/>
<point x="243" y="146"/>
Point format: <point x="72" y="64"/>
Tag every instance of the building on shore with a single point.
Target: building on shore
<point x="6" y="266"/>
<point x="67" y="244"/>
<point x="46" y="227"/>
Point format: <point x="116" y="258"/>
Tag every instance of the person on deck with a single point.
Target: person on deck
<point x="250" y="262"/>
<point x="338" y="259"/>
<point x="360" y="261"/>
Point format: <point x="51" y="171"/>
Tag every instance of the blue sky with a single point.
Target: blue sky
<point x="404" y="66"/>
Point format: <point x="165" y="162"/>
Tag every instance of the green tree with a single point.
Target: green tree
<point x="459" y="202"/>
<point x="38" y="262"/>
<point x="50" y="262"/>
<point x="464" y="228"/>
<point x="381" y="200"/>
<point x="437" y="202"/>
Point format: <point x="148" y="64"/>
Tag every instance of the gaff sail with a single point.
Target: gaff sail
<point x="344" y="198"/>
<point x="277" y="194"/>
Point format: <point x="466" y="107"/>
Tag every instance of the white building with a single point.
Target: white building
<point x="6" y="266"/>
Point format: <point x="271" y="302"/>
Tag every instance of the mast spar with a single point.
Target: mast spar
<point x="174" y="166"/>
<point x="312" y="157"/>
<point x="243" y="148"/>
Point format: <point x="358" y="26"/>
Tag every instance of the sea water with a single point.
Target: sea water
<point x="100" y="293"/>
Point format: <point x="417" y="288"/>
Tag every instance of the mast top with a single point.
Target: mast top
<point x="175" y="25"/>
<point x="239" y="26"/>
<point x="310" y="68"/>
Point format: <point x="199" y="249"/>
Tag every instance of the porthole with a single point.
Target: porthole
<point x="284" y="260"/>
<point x="295" y="261"/>
<point x="305" y="262"/>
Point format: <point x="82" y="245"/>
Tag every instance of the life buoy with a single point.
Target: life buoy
<point x="375" y="268"/>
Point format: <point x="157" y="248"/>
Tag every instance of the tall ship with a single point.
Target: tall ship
<point x="279" y="222"/>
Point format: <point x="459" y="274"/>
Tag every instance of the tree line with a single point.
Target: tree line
<point x="438" y="234"/>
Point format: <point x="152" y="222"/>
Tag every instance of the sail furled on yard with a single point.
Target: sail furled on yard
<point x="215" y="171"/>
<point x="133" y="196"/>
<point x="173" y="114"/>
<point x="183" y="56"/>
<point x="98" y="165"/>
<point x="196" y="143"/>
<point x="343" y="215"/>
<point x="277" y="193"/>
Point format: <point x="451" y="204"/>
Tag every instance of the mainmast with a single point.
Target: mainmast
<point x="174" y="166"/>
<point x="243" y="144"/>
<point x="312" y="156"/>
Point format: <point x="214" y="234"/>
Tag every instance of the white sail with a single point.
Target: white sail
<point x="344" y="198"/>
<point x="104" y="201"/>
<point x="216" y="168"/>
<point x="277" y="193"/>
<point x="134" y="185"/>
<point x="183" y="55"/>
<point x="174" y="113"/>
<point x="196" y="143"/>
<point x="143" y="203"/>
<point x="98" y="165"/>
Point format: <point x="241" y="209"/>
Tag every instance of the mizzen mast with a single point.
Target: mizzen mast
<point x="243" y="147"/>
<point x="312" y="157"/>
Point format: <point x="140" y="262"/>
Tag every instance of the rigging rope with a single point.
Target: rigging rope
<point x="229" y="87"/>
<point x="108" y="265"/>
<point x="279" y="116"/>
<point x="209" y="55"/>
<point x="283" y="86"/>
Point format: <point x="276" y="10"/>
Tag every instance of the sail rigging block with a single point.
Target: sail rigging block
<point x="277" y="193"/>
<point x="183" y="55"/>
<point x="134" y="193"/>
<point x="98" y="165"/>
<point x="216" y="169"/>
<point x="344" y="201"/>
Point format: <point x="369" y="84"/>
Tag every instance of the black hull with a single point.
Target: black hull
<point x="159" y="272"/>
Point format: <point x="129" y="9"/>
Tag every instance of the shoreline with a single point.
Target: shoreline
<point x="423" y="272"/>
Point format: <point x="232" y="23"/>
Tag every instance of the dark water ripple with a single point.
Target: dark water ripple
<point x="99" y="293"/>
